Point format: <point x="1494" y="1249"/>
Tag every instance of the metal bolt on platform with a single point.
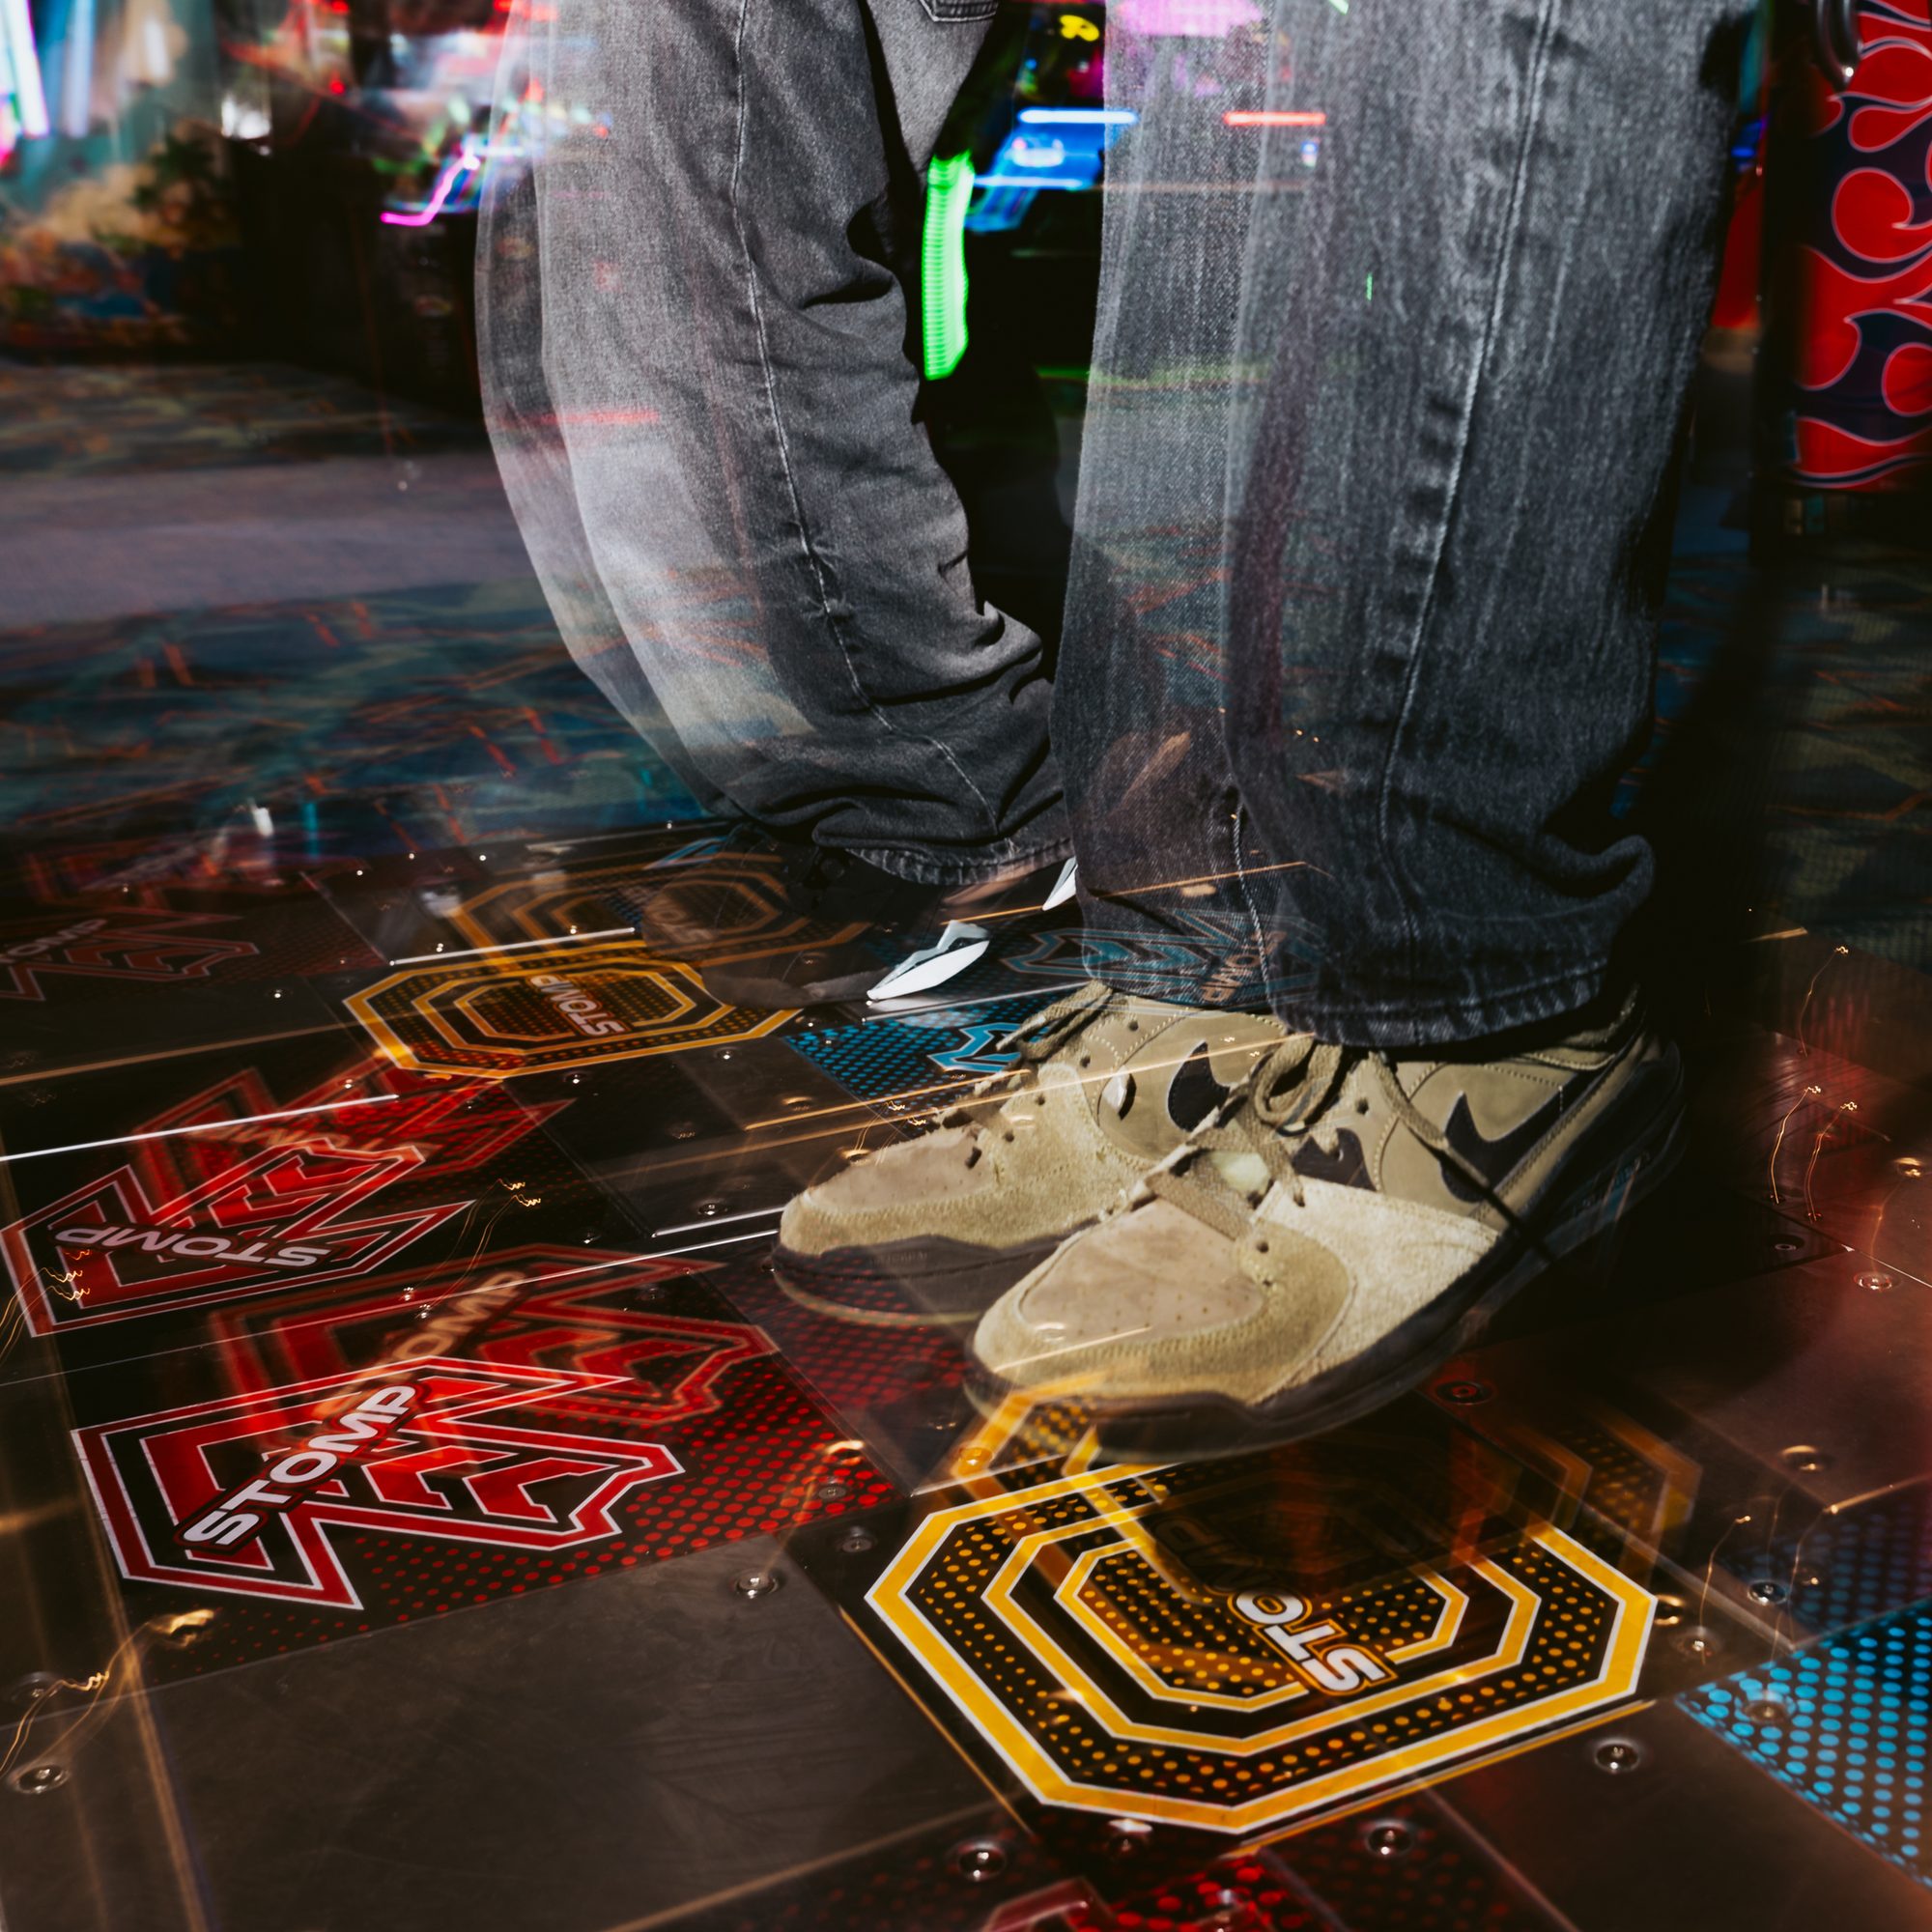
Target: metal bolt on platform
<point x="1464" y="1394"/>
<point x="980" y="1861"/>
<point x="1387" y="1841"/>
<point x="25" y="1692"/>
<point x="1805" y="1460"/>
<point x="1765" y="1591"/>
<point x="756" y="1583"/>
<point x="1875" y="1281"/>
<point x="1768" y="1711"/>
<point x="1701" y="1642"/>
<point x="833" y="1492"/>
<point x="38" y="1780"/>
<point x="856" y="1542"/>
<point x="1617" y="1757"/>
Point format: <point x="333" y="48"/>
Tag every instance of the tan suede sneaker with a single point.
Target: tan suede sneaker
<point x="1106" y="1086"/>
<point x="1341" y="1230"/>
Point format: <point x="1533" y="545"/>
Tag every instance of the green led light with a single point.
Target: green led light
<point x="948" y="189"/>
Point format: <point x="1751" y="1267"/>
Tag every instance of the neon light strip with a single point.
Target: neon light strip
<point x="698" y="1248"/>
<point x="1034" y="180"/>
<point x="698" y="1226"/>
<point x="205" y="1127"/>
<point x="1275" y="117"/>
<point x="1078" y="117"/>
<point x="76" y="91"/>
<point x="30" y="101"/>
<point x="949" y="191"/>
<point x="445" y="186"/>
<point x="516" y="945"/>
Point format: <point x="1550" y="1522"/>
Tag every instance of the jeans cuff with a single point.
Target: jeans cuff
<point x="992" y="862"/>
<point x="1398" y="1025"/>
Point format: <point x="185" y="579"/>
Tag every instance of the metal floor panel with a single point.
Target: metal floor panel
<point x="353" y="1142"/>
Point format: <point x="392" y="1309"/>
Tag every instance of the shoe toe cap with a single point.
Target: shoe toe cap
<point x="1151" y="1305"/>
<point x="1110" y="1299"/>
<point x="888" y="1195"/>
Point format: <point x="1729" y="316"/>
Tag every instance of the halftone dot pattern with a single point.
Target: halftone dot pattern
<point x="1623" y="1486"/>
<point x="876" y="1060"/>
<point x="1846" y="1724"/>
<point x="758" y="1457"/>
<point x="1201" y="1760"/>
<point x="1191" y="1642"/>
<point x="857" y="1288"/>
<point x="1252" y="1891"/>
<point x="1331" y="1878"/>
<point x="753" y="1469"/>
<point x="1435" y="1879"/>
<point x="854" y="1367"/>
<point x="1846" y="1569"/>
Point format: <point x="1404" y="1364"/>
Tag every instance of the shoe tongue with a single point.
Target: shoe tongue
<point x="1245" y="1172"/>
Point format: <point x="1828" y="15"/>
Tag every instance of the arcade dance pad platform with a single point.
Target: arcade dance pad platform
<point x="425" y="1507"/>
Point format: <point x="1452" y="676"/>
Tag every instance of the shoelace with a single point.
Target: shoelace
<point x="1283" y="1102"/>
<point x="1037" y="1040"/>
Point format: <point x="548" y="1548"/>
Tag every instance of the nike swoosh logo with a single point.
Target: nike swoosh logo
<point x="1493" y="1159"/>
<point x="1194" y="1093"/>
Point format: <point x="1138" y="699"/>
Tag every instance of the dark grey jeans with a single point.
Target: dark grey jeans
<point x="696" y="354"/>
<point x="1398" y="309"/>
<point x="1360" y="632"/>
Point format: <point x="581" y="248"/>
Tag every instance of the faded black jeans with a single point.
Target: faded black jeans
<point x="693" y="305"/>
<point x="1398" y="308"/>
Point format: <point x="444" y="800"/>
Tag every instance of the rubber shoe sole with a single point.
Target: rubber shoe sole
<point x="950" y="1283"/>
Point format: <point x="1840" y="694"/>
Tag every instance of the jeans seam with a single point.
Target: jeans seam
<point x="1262" y="958"/>
<point x="1406" y="897"/>
<point x="807" y="548"/>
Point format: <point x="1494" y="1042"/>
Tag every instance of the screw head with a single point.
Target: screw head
<point x="1464" y="1394"/>
<point x="1876" y="1281"/>
<point x="1805" y="1460"/>
<point x="856" y="1542"/>
<point x="1387" y="1840"/>
<point x="1127" y="1837"/>
<point x="833" y="1492"/>
<point x="38" y="1780"/>
<point x="1700" y="1641"/>
<point x="1670" y="1613"/>
<point x="1618" y="1757"/>
<point x="979" y="1860"/>
<point x="1767" y="1711"/>
<point x="1766" y="1590"/>
<point x="1786" y="1244"/>
<point x="28" y="1691"/>
<point x="756" y="1583"/>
